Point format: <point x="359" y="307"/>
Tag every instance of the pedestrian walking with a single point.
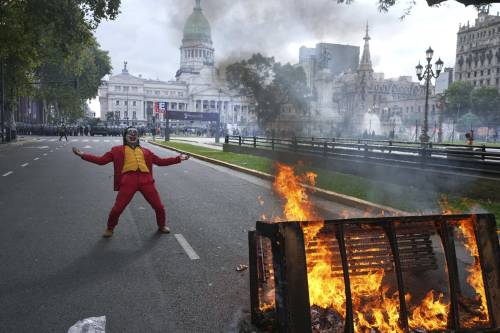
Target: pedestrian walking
<point x="133" y="171"/>
<point x="62" y="132"/>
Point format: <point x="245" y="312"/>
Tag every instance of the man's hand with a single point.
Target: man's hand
<point x="77" y="151"/>
<point x="184" y="157"/>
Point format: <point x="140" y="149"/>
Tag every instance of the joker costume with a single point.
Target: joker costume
<point x="133" y="171"/>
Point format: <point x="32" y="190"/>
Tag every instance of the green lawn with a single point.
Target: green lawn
<point x="397" y="196"/>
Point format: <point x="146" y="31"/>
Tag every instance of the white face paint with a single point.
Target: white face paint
<point x="132" y="137"/>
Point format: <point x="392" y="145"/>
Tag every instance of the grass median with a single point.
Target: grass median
<point x="400" y="197"/>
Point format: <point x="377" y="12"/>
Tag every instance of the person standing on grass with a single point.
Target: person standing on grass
<point x="133" y="167"/>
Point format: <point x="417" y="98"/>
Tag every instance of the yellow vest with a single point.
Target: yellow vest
<point x="134" y="160"/>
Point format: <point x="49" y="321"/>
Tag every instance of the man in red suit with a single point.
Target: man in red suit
<point x="133" y="168"/>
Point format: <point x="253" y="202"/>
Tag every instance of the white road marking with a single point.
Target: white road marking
<point x="45" y="154"/>
<point x="187" y="248"/>
<point x="74" y="140"/>
<point x="8" y="173"/>
<point x="87" y="146"/>
<point x="116" y="140"/>
<point x="86" y="140"/>
<point x="52" y="140"/>
<point x="51" y="151"/>
<point x="36" y="158"/>
<point x="106" y="140"/>
<point x="41" y="140"/>
<point x="95" y="140"/>
<point x="25" y="164"/>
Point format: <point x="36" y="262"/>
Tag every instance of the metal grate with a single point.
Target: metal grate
<point x="403" y="245"/>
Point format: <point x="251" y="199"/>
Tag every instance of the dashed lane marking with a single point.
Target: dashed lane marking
<point x="8" y="173"/>
<point x="45" y="154"/>
<point x="36" y="158"/>
<point x="116" y="140"/>
<point x="86" y="140"/>
<point x="25" y="164"/>
<point x="187" y="248"/>
<point x="52" y="140"/>
<point x="95" y="140"/>
<point x="74" y="140"/>
<point x="106" y="140"/>
<point x="87" y="146"/>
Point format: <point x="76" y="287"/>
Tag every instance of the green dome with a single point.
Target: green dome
<point x="197" y="27"/>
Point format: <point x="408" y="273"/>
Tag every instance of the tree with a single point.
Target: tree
<point x="485" y="103"/>
<point x="271" y="84"/>
<point x="32" y="30"/>
<point x="457" y="97"/>
<point x="66" y="82"/>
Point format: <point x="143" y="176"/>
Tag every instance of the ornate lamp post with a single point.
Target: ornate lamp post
<point x="427" y="75"/>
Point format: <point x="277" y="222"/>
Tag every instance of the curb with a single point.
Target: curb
<point x="325" y="194"/>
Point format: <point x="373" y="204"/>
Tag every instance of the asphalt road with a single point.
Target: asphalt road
<point x="57" y="269"/>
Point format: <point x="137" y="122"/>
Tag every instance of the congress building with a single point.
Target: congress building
<point x="126" y="99"/>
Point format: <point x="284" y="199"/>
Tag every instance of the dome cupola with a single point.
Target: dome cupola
<point x="197" y="27"/>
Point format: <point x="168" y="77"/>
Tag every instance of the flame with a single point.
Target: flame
<point x="475" y="277"/>
<point x="288" y="186"/>
<point x="375" y="308"/>
<point x="432" y="313"/>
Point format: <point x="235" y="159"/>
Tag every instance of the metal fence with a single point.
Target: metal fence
<point x="466" y="158"/>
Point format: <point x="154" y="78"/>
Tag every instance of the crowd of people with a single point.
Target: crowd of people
<point x="52" y="130"/>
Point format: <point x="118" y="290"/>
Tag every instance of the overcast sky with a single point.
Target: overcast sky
<point x="148" y="33"/>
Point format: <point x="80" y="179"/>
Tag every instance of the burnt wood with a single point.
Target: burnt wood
<point x="489" y="256"/>
<point x="401" y="234"/>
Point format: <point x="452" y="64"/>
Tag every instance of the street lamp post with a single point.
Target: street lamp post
<point x="167" y="124"/>
<point x="127" y="106"/>
<point x="427" y="75"/>
<point x="219" y="106"/>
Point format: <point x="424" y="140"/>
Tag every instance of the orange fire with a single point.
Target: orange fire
<point x="432" y="313"/>
<point x="475" y="278"/>
<point x="376" y="309"/>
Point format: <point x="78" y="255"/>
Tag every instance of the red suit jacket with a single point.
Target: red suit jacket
<point x="117" y="156"/>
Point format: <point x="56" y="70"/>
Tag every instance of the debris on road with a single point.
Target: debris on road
<point x="89" y="325"/>
<point x="241" y="268"/>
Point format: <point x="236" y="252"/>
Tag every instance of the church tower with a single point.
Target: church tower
<point x="365" y="69"/>
<point x="197" y="49"/>
<point x="365" y="65"/>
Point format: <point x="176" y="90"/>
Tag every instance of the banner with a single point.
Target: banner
<point x="201" y="116"/>
<point x="162" y="106"/>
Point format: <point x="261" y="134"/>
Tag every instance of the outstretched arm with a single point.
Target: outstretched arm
<point x="169" y="160"/>
<point x="101" y="160"/>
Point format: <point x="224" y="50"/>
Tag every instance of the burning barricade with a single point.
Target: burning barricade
<point x="387" y="274"/>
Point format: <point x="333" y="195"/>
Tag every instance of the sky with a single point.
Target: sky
<point x="148" y="33"/>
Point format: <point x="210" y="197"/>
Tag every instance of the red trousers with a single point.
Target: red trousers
<point x="132" y="182"/>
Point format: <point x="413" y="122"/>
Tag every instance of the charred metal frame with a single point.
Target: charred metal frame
<point x="290" y="268"/>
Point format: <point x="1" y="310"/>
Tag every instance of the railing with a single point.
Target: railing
<point x="471" y="159"/>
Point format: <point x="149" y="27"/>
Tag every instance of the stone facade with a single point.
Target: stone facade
<point x="197" y="88"/>
<point x="342" y="99"/>
<point x="478" y="51"/>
